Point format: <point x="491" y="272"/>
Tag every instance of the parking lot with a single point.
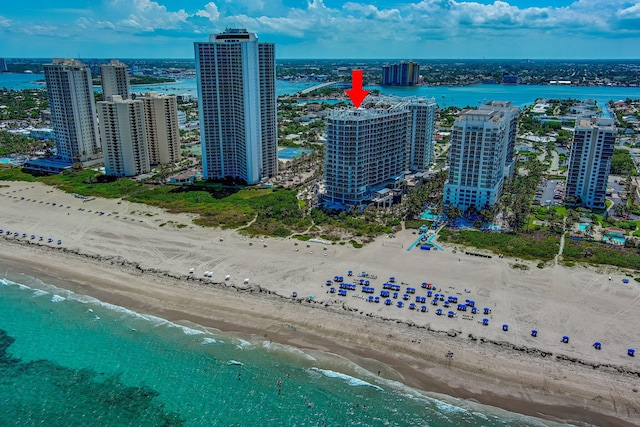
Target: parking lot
<point x="549" y="192"/>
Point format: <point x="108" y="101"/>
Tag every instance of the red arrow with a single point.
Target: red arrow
<point x="357" y="94"/>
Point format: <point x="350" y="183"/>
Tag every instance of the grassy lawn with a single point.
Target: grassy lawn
<point x="541" y="246"/>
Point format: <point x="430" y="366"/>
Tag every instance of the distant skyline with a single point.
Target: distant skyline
<point x="438" y="29"/>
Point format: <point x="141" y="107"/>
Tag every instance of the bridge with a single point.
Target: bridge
<point x="316" y="87"/>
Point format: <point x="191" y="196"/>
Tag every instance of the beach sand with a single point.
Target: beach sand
<point x="140" y="257"/>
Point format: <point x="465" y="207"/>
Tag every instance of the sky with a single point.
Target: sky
<point x="385" y="29"/>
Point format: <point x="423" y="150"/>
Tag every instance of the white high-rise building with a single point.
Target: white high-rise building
<point x="366" y="150"/>
<point x="511" y="117"/>
<point x="237" y="105"/>
<point x="73" y="114"/>
<point x="590" y="162"/>
<point x="115" y="80"/>
<point x="421" y="126"/>
<point x="476" y="173"/>
<point x="124" y="139"/>
<point x="163" y="133"/>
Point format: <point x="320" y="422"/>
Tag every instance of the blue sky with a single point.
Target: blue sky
<point x="326" y="28"/>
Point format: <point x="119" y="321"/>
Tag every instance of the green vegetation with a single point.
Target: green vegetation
<point x="85" y="182"/>
<point x="600" y="253"/>
<point x="518" y="193"/>
<point x="533" y="246"/>
<point x="142" y="80"/>
<point x="429" y="193"/>
<point x="334" y="224"/>
<point x="622" y="163"/>
<point x="276" y="212"/>
<point x="416" y="223"/>
<point x="22" y="104"/>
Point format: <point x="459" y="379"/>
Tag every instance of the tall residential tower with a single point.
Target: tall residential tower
<point x="590" y="162"/>
<point x="73" y="113"/>
<point x="476" y="159"/>
<point x="124" y="139"/>
<point x="115" y="80"/>
<point x="511" y="117"/>
<point x="366" y="149"/>
<point x="163" y="135"/>
<point x="401" y="74"/>
<point x="422" y="112"/>
<point x="237" y="106"/>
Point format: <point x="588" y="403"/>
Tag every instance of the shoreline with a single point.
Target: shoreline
<point x="401" y="363"/>
<point x="139" y="257"/>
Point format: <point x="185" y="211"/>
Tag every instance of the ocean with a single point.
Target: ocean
<point x="68" y="359"/>
<point x="445" y="96"/>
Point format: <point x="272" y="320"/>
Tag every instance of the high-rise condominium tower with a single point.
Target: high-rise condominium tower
<point x="237" y="105"/>
<point x="511" y="117"/>
<point x="479" y="139"/>
<point x="590" y="162"/>
<point x="124" y="140"/>
<point x="421" y="126"/>
<point x="366" y="149"/>
<point x="163" y="134"/>
<point x="73" y="114"/>
<point x="401" y="74"/>
<point x="115" y="80"/>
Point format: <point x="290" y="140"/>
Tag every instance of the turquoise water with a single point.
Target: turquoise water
<point x="446" y="96"/>
<point x="68" y="359"/>
<point x="614" y="239"/>
<point x="290" y="152"/>
<point x="583" y="227"/>
<point x="186" y="86"/>
<point x="428" y="215"/>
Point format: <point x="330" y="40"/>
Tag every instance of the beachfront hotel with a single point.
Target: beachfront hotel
<point x="115" y="80"/>
<point x="478" y="157"/>
<point x="590" y="162"/>
<point x="365" y="153"/>
<point x="237" y="106"/>
<point x="162" y="128"/>
<point x="124" y="139"/>
<point x="73" y="113"/>
<point x="401" y="74"/>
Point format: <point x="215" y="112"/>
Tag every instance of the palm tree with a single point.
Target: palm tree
<point x="453" y="212"/>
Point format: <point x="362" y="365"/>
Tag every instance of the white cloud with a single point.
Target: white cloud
<point x="358" y="27"/>
<point x="210" y="11"/>
<point x="632" y="12"/>
<point x="147" y="15"/>
<point x="105" y="24"/>
<point x="369" y="11"/>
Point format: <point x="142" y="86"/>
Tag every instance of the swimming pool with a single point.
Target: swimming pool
<point x="614" y="239"/>
<point x="428" y="215"/>
<point x="290" y="153"/>
<point x="583" y="227"/>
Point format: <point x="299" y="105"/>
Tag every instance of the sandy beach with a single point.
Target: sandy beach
<point x="140" y="257"/>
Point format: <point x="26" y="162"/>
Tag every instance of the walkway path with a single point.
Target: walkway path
<point x="564" y="224"/>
